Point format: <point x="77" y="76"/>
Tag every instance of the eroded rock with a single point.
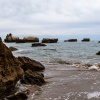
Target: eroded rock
<point x="48" y="40"/>
<point x="33" y="78"/>
<point x="10" y="38"/>
<point x="28" y="63"/>
<point x="10" y="70"/>
<point x="38" y="44"/>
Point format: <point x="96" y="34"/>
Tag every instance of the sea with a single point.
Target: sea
<point x="67" y="77"/>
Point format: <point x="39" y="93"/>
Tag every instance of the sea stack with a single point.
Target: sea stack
<point x="50" y="40"/>
<point x="10" y="38"/>
<point x="86" y="40"/>
<point x="71" y="40"/>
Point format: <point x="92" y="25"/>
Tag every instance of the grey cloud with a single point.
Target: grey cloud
<point x="49" y="15"/>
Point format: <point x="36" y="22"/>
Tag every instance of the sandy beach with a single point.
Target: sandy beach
<point x="68" y="83"/>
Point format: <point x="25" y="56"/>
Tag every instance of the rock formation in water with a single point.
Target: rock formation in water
<point x="13" y="69"/>
<point x="10" y="38"/>
<point x="48" y="40"/>
<point x="86" y="40"/>
<point x="38" y="44"/>
<point x="31" y="39"/>
<point x="71" y="40"/>
<point x="98" y="53"/>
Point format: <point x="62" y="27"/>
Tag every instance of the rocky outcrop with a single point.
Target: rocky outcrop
<point x="31" y="39"/>
<point x="86" y="40"/>
<point x="98" y="53"/>
<point x="99" y="42"/>
<point x="10" y="38"/>
<point x="30" y="64"/>
<point x="12" y="48"/>
<point x="71" y="40"/>
<point x="10" y="70"/>
<point x="48" y="40"/>
<point x="13" y="69"/>
<point x="38" y="44"/>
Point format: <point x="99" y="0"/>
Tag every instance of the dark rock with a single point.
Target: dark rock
<point x="28" y="63"/>
<point x="38" y="44"/>
<point x="10" y="38"/>
<point x="71" y="40"/>
<point x="98" y="53"/>
<point x="48" y="40"/>
<point x="20" y="41"/>
<point x="12" y="49"/>
<point x="99" y="42"/>
<point x="31" y="39"/>
<point x="32" y="78"/>
<point x="86" y="40"/>
<point x="10" y="70"/>
<point x="18" y="96"/>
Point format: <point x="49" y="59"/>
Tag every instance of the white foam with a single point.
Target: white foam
<point x="93" y="95"/>
<point x="94" y="67"/>
<point x="20" y="86"/>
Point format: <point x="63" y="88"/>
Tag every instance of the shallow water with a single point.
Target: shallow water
<point x="68" y="84"/>
<point x="64" y="81"/>
<point x="65" y="51"/>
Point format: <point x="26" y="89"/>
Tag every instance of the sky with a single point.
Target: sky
<point x="50" y="18"/>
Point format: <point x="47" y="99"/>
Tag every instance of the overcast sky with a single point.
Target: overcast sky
<point x="70" y="18"/>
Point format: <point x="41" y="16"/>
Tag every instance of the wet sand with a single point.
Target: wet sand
<point x="68" y="83"/>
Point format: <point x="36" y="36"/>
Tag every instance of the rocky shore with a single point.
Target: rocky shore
<point x="14" y="69"/>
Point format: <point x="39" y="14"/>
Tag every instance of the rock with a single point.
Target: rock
<point x="28" y="63"/>
<point x="31" y="39"/>
<point x="86" y="40"/>
<point x="20" y="41"/>
<point x="38" y="44"/>
<point x="99" y="42"/>
<point x="98" y="53"/>
<point x="10" y="38"/>
<point x="12" y="49"/>
<point x="32" y="78"/>
<point x="48" y="40"/>
<point x="18" y="96"/>
<point x="71" y="40"/>
<point x="10" y="70"/>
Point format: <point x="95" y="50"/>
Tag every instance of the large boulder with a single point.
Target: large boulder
<point x="86" y="40"/>
<point x="30" y="64"/>
<point x="31" y="39"/>
<point x="10" y="70"/>
<point x="38" y="44"/>
<point x="48" y="40"/>
<point x="10" y="38"/>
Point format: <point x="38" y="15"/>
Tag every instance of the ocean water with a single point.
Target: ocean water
<point x="61" y="51"/>
<point x="64" y="80"/>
